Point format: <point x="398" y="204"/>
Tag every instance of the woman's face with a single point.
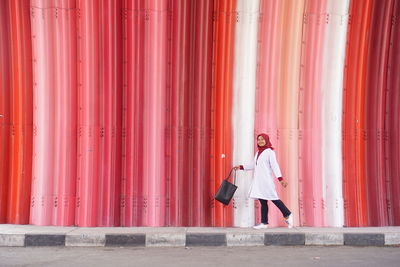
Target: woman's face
<point x="261" y="141"/>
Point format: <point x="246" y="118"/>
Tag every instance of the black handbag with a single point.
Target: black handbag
<point x="226" y="189"/>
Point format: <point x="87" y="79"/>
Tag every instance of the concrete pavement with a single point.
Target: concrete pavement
<point x="251" y="256"/>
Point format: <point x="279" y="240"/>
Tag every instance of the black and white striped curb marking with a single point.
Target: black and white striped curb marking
<point x="200" y="239"/>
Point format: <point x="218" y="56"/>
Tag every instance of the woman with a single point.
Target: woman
<point x="262" y="188"/>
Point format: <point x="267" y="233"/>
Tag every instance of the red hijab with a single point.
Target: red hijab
<point x="266" y="146"/>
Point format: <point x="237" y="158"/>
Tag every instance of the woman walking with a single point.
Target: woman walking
<point x="262" y="188"/>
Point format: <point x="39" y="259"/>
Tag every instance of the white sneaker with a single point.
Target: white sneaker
<point x="289" y="221"/>
<point x="261" y="226"/>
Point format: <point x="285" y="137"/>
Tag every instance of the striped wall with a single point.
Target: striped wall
<point x="132" y="112"/>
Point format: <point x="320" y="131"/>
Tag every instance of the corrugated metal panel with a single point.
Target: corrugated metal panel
<point x="375" y="97"/>
<point x="20" y="114"/>
<point x="142" y="107"/>
<point x="392" y="122"/>
<point x="312" y="204"/>
<point x="243" y="109"/>
<point x="5" y="94"/>
<point x="354" y="191"/>
<point x="332" y="99"/>
<point x="288" y="102"/>
<point x="221" y="106"/>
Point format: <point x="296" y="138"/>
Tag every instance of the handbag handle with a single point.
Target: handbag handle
<point x="234" y="176"/>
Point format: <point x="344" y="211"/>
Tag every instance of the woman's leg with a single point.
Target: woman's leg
<point x="264" y="211"/>
<point x="281" y="206"/>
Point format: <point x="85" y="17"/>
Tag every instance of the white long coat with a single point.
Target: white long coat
<point x="265" y="169"/>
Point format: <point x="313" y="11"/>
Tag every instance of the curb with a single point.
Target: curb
<point x="364" y="239"/>
<point x="85" y="240"/>
<point x="41" y="240"/>
<point x="284" y="239"/>
<point x="194" y="239"/>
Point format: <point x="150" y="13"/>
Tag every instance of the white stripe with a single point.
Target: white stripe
<point x="332" y="90"/>
<point x="244" y="86"/>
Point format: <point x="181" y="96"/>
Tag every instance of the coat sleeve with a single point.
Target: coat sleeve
<point x="248" y="166"/>
<point x="274" y="164"/>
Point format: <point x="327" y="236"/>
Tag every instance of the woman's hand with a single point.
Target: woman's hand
<point x="236" y="167"/>
<point x="284" y="183"/>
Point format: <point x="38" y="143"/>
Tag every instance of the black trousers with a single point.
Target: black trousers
<point x="264" y="209"/>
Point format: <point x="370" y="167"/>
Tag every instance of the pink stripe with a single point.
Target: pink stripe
<point x="201" y="78"/>
<point x="310" y="156"/>
<point x="132" y="164"/>
<point x="288" y="102"/>
<point x="88" y="115"/>
<point x="154" y="99"/>
<point x="179" y="147"/>
<point x="110" y="98"/>
<point x="66" y="118"/>
<point x="268" y="82"/>
<point x="44" y="80"/>
<point x="60" y="4"/>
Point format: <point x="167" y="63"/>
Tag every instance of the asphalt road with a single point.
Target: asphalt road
<point x="201" y="256"/>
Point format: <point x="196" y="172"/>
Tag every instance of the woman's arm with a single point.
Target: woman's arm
<point x="274" y="164"/>
<point x="275" y="168"/>
<point x="245" y="167"/>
